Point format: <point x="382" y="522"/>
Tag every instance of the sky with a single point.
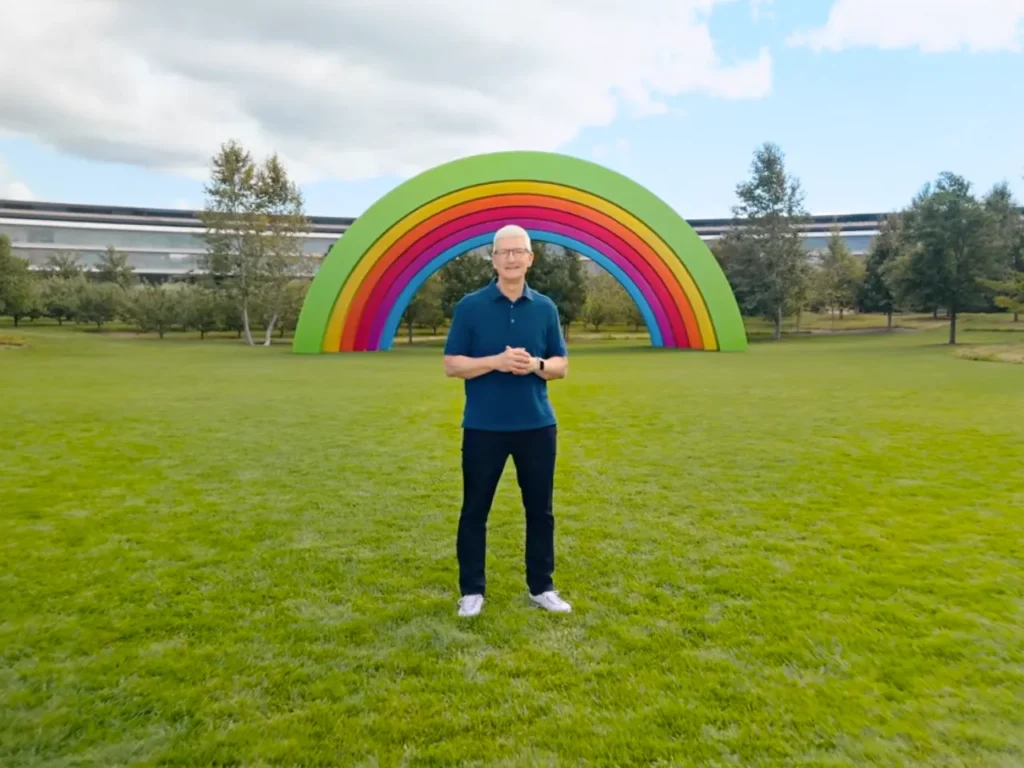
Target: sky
<point x="123" y="102"/>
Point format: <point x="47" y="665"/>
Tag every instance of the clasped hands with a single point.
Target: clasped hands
<point x="518" y="361"/>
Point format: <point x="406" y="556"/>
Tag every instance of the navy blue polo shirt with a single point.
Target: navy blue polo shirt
<point x="484" y="323"/>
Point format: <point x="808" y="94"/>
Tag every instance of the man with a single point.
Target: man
<point x="506" y="343"/>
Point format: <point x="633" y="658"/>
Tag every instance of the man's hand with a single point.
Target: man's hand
<point x="520" y="361"/>
<point x="511" y="360"/>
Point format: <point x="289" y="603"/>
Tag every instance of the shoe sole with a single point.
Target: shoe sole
<point x="548" y="610"/>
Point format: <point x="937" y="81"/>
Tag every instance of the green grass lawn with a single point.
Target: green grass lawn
<point x="811" y="552"/>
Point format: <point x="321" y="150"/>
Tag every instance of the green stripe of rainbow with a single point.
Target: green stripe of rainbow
<point x="366" y="281"/>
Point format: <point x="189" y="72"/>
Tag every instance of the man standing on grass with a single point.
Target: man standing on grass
<point x="506" y="343"/>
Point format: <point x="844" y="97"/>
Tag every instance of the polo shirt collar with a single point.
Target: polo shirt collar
<point x="496" y="294"/>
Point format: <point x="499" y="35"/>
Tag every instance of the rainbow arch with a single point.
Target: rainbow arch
<point x="370" y="275"/>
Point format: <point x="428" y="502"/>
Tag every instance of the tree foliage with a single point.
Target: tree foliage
<point x="114" y="268"/>
<point x="254" y="219"/>
<point x="606" y="301"/>
<point x="426" y="307"/>
<point x="463" y="275"/>
<point x="19" y="296"/>
<point x="559" y="274"/>
<point x="876" y="291"/>
<point x="763" y="254"/>
<point x="954" y="249"/>
<point x="839" y="276"/>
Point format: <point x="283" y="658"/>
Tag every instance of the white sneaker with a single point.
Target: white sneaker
<point x="550" y="601"/>
<point x="470" y="605"/>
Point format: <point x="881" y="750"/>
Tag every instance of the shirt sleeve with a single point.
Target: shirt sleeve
<point x="556" y="342"/>
<point x="459" y="337"/>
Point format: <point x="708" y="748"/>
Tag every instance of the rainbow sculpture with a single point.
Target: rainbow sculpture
<point x="370" y="275"/>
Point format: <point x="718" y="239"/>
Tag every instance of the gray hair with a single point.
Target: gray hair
<point x="511" y="230"/>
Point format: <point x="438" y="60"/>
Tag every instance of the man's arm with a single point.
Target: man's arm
<point x="556" y="367"/>
<point x="459" y="362"/>
<point x="465" y="367"/>
<point x="556" y="360"/>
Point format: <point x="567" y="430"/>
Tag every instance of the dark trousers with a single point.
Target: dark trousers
<point x="484" y="455"/>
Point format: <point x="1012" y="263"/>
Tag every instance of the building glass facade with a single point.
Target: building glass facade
<point x="167" y="243"/>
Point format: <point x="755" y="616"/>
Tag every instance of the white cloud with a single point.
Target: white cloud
<point x="932" y="26"/>
<point x="11" y="188"/>
<point x="350" y="90"/>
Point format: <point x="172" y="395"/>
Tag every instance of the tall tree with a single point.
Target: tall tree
<point x="64" y="264"/>
<point x="559" y="273"/>
<point x="876" y="294"/>
<point x="462" y="275"/>
<point x="18" y="290"/>
<point x="840" y="275"/>
<point x="956" y="246"/>
<point x="425" y="307"/>
<point x="1009" y="244"/>
<point x="1009" y="294"/>
<point x="114" y="268"/>
<point x="768" y="261"/>
<point x="606" y="301"/>
<point x="253" y="216"/>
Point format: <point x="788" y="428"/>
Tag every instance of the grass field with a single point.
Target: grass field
<point x="810" y="553"/>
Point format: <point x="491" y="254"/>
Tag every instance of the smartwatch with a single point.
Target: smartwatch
<point x="541" y="359"/>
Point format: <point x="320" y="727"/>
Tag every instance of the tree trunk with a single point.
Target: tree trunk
<point x="245" y="322"/>
<point x="60" y="322"/>
<point x="952" y="327"/>
<point x="15" y="321"/>
<point x="202" y="334"/>
<point x="778" y="323"/>
<point x="1016" y="317"/>
<point x="889" y="326"/>
<point x="410" y="331"/>
<point x="270" y="330"/>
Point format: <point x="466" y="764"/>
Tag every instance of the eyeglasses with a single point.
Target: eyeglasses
<point x="504" y="253"/>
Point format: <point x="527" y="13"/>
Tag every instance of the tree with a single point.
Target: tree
<point x="114" y="268"/>
<point x="1009" y="294"/>
<point x="64" y="264"/>
<point x="18" y="291"/>
<point x="201" y="309"/>
<point x="59" y="297"/>
<point x="254" y="218"/>
<point x="956" y="246"/>
<point x="606" y="301"/>
<point x="463" y="275"/>
<point x="839" y="276"/>
<point x="99" y="303"/>
<point x="765" y="253"/>
<point x="1009" y="244"/>
<point x="425" y="307"/>
<point x="156" y="307"/>
<point x="634" y="316"/>
<point x="876" y="291"/>
<point x="560" y="275"/>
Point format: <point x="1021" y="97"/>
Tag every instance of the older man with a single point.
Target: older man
<point x="506" y="343"/>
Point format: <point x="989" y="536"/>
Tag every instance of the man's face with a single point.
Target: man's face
<point x="512" y="257"/>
